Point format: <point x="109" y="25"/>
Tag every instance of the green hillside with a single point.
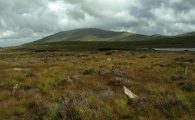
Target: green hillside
<point x="93" y="38"/>
<point x="91" y="34"/>
<point x="172" y="42"/>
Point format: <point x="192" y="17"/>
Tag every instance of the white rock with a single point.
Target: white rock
<point x="15" y="88"/>
<point x="185" y="69"/>
<point x="17" y="69"/>
<point x="109" y="59"/>
<point x="129" y="94"/>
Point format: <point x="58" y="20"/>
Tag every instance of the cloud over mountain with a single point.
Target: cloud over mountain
<point x="25" y="21"/>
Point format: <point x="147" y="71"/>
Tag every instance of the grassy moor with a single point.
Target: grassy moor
<point x="84" y="81"/>
<point x="97" y="60"/>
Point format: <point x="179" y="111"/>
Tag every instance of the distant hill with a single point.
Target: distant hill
<point x="90" y="34"/>
<point x="94" y="34"/>
<point x="187" y="34"/>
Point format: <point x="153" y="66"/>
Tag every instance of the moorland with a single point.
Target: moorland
<point x="84" y="81"/>
<point x="80" y="75"/>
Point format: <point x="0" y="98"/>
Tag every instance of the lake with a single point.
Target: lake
<point x="175" y="49"/>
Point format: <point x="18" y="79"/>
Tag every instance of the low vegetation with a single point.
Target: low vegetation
<point x="56" y="83"/>
<point x="180" y="42"/>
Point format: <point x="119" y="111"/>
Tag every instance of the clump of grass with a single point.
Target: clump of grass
<point x="187" y="86"/>
<point x="17" y="75"/>
<point x="53" y="113"/>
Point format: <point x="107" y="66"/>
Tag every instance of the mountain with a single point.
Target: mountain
<point x="90" y="34"/>
<point x="94" y="34"/>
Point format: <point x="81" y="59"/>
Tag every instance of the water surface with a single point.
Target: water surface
<point x="175" y="49"/>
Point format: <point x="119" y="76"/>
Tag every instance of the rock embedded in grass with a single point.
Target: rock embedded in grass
<point x="129" y="94"/>
<point x="15" y="88"/>
<point x="22" y="69"/>
<point x="132" y="98"/>
<point x="109" y="59"/>
<point x="17" y="69"/>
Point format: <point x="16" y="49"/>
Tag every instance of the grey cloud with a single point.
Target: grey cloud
<point x="104" y="8"/>
<point x="76" y="15"/>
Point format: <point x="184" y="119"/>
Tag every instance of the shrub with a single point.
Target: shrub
<point x="187" y="86"/>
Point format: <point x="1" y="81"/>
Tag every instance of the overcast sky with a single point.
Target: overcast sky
<point x="23" y="21"/>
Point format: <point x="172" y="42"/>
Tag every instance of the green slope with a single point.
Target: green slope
<point x="90" y="34"/>
<point x="98" y="35"/>
<point x="171" y="42"/>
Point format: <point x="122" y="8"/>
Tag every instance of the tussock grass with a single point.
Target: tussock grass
<point x="75" y="85"/>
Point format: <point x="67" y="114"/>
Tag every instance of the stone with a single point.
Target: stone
<point x="185" y="69"/>
<point x="129" y="94"/>
<point x="109" y="59"/>
<point x="15" y="88"/>
<point x="17" y="69"/>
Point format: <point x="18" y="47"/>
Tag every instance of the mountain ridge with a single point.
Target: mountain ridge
<point x="95" y="34"/>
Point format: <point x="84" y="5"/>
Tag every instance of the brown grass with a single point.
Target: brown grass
<point x="84" y="78"/>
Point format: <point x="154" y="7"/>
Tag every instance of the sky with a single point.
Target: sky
<point x="23" y="21"/>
